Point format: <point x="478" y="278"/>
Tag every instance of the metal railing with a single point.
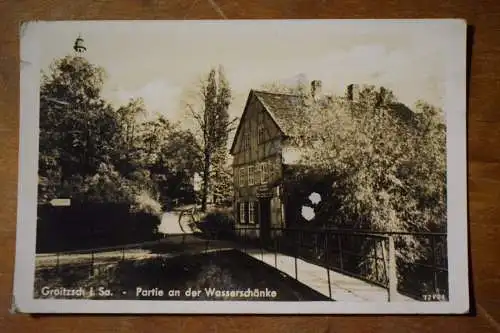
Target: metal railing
<point x="94" y="258"/>
<point x="380" y="258"/>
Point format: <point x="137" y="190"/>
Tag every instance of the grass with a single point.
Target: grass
<point x="222" y="270"/>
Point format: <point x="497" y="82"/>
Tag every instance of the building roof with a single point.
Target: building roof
<point x="284" y="109"/>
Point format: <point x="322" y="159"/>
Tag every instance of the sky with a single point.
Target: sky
<point x="162" y="62"/>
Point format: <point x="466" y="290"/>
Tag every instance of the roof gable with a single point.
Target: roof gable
<point x="240" y="124"/>
<point x="287" y="111"/>
<point x="284" y="109"/>
<point x="275" y="105"/>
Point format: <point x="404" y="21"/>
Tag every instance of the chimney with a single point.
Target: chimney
<point x="316" y="86"/>
<point x="353" y="92"/>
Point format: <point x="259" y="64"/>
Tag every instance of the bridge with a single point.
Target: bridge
<point x="342" y="265"/>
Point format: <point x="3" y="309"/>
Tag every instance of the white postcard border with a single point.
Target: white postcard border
<point x="455" y="99"/>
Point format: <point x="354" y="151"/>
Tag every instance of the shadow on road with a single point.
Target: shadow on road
<point x="228" y="270"/>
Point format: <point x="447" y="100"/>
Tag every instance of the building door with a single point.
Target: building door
<point x="265" y="219"/>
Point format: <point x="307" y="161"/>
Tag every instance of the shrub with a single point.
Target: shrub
<point x="219" y="222"/>
<point x="145" y="203"/>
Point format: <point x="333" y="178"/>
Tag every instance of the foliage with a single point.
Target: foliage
<point x="170" y="154"/>
<point x="219" y="223"/>
<point x="127" y="144"/>
<point x="212" y="131"/>
<point x="88" y="150"/>
<point x="385" y="164"/>
<point x="107" y="186"/>
<point x="298" y="86"/>
<point x="91" y="151"/>
<point x="97" y="154"/>
<point x="145" y="203"/>
<point x="76" y="124"/>
<point x="222" y="184"/>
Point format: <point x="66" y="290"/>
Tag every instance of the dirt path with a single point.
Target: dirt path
<point x="170" y="221"/>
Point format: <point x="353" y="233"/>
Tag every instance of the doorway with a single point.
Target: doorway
<point x="265" y="220"/>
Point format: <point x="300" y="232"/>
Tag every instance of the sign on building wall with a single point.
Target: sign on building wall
<point x="263" y="191"/>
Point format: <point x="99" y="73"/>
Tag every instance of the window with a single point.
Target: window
<point x="263" y="173"/>
<point x="251" y="175"/>
<point x="242" y="213"/>
<point x="242" y="177"/>
<point x="251" y="212"/>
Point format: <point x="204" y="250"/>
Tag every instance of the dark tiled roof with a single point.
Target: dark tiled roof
<point x="401" y="111"/>
<point x="285" y="109"/>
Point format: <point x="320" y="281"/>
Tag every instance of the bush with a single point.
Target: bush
<point x="218" y="222"/>
<point x="145" y="203"/>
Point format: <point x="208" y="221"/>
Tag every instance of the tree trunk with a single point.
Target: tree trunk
<point x="206" y="180"/>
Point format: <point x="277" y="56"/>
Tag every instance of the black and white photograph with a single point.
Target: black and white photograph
<point x="299" y="166"/>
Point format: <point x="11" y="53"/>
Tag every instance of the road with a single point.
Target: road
<point x="170" y="221"/>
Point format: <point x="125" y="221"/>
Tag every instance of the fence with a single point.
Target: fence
<point x="380" y="258"/>
<point x="92" y="259"/>
<point x="375" y="257"/>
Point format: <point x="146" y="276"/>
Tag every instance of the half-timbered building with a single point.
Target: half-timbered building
<point x="258" y="160"/>
<point x="263" y="157"/>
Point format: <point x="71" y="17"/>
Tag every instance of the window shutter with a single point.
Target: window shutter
<point x="238" y="212"/>
<point x="256" y="212"/>
<point x="246" y="212"/>
<point x="242" y="212"/>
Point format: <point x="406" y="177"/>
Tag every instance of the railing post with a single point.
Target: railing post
<point x="327" y="266"/>
<point x="91" y="262"/>
<point x="245" y="239"/>
<point x="392" y="273"/>
<point x="434" y="265"/>
<point x="57" y="261"/>
<point x="376" y="242"/>
<point x="341" y="260"/>
<point x="301" y="241"/>
<point x="296" y="250"/>
<point x="315" y="245"/>
<point x="261" y="249"/>
<point x="123" y="253"/>
<point x="275" y="253"/>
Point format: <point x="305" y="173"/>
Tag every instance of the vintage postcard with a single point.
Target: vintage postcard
<point x="309" y="166"/>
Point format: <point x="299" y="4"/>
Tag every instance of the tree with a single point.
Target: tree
<point x="212" y="126"/>
<point x="181" y="161"/>
<point x="92" y="153"/>
<point x="222" y="180"/>
<point x="299" y="88"/>
<point x="388" y="161"/>
<point x="171" y="156"/>
<point x="77" y="127"/>
<point x="88" y="150"/>
<point x="384" y="164"/>
<point x="127" y="151"/>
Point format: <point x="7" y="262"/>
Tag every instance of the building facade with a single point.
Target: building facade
<point x="258" y="167"/>
<point x="267" y="193"/>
